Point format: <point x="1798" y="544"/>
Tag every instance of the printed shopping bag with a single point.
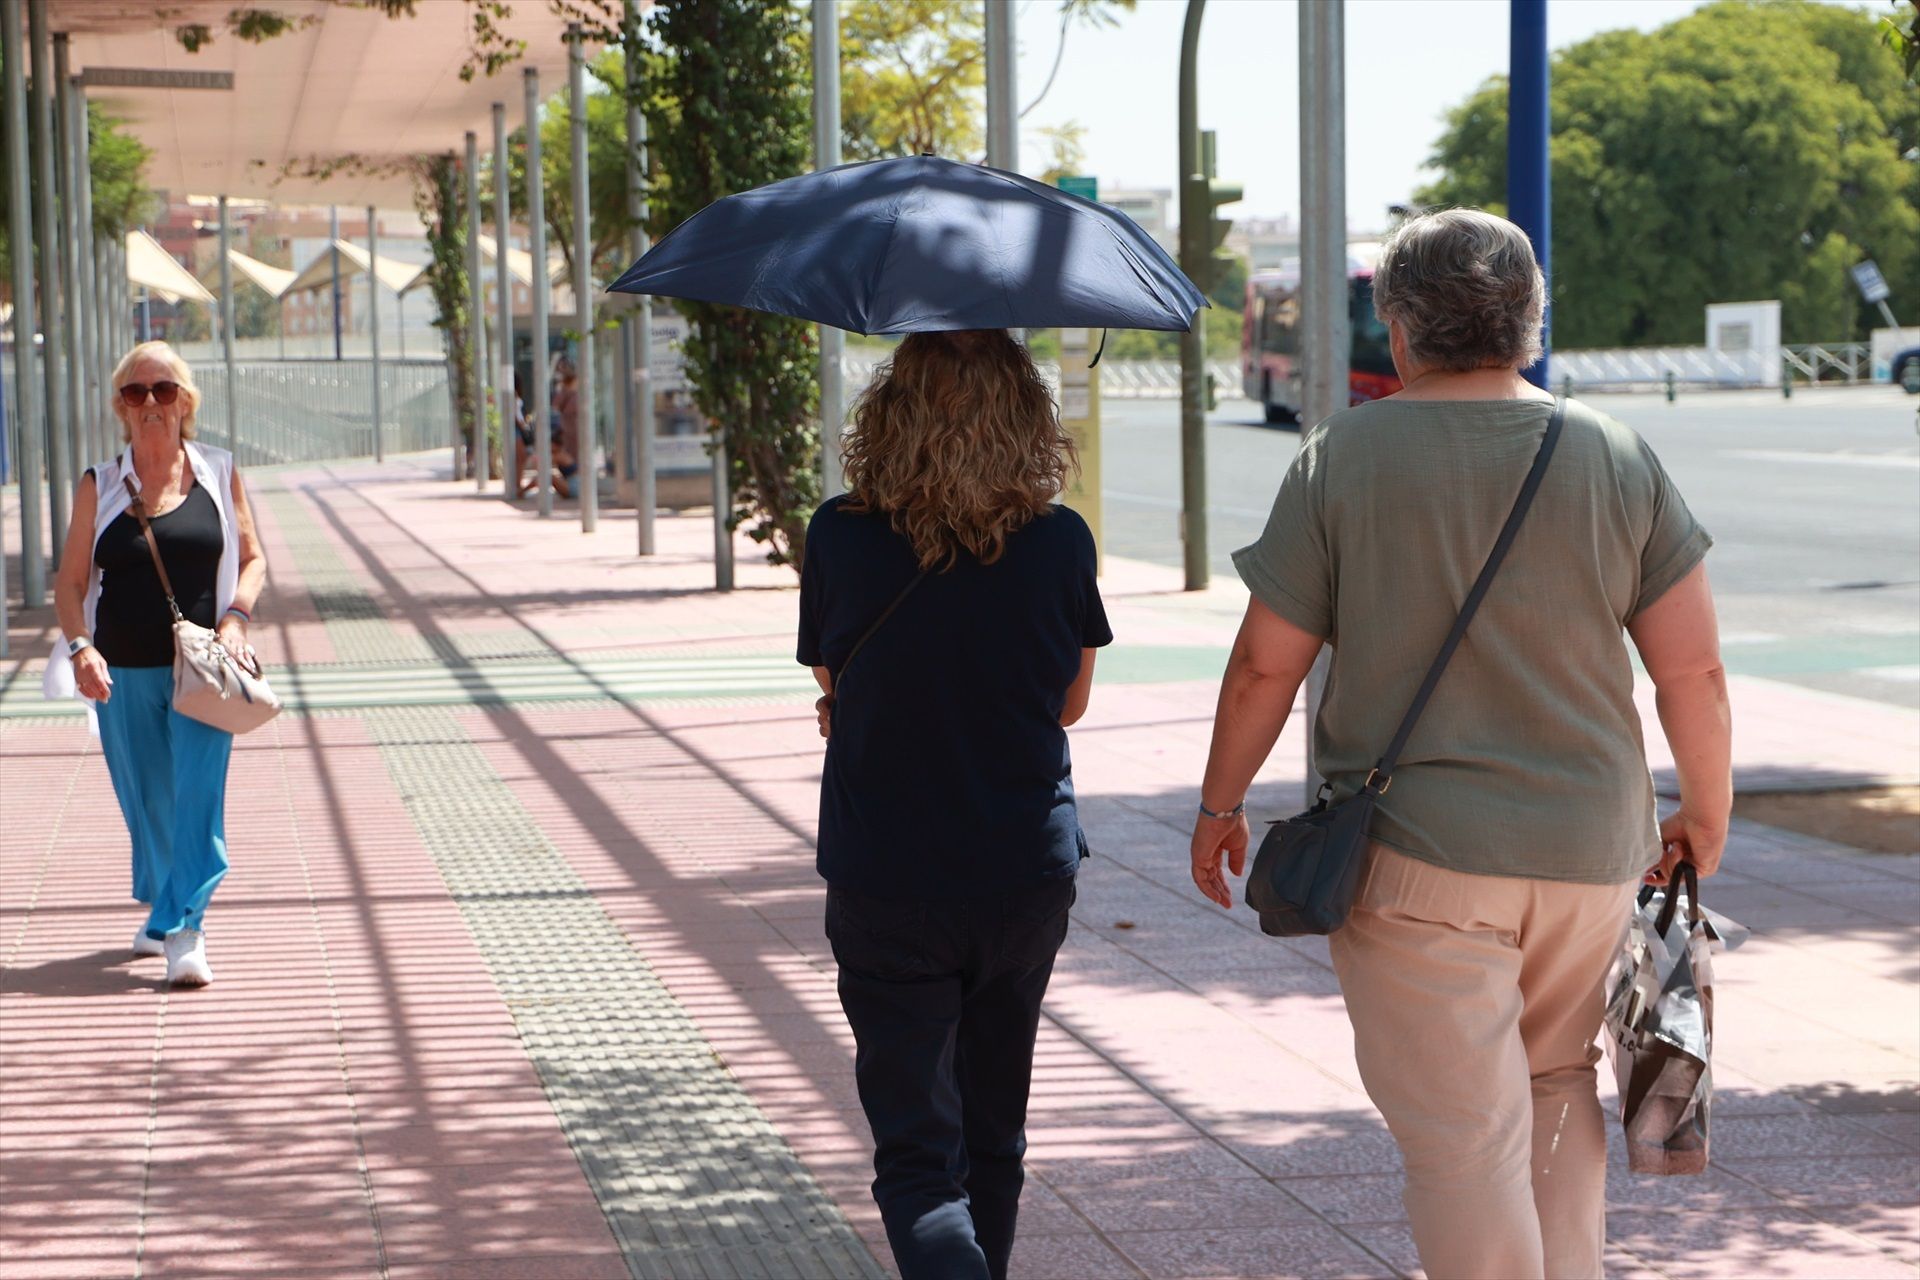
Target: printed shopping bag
<point x="1660" y="1025"/>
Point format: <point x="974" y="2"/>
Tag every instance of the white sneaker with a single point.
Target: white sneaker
<point x="143" y="946"/>
<point x="187" y="959"/>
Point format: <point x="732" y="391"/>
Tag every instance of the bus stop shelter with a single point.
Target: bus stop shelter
<point x="341" y="107"/>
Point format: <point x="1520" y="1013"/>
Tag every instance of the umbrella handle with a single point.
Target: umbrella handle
<point x="1096" y="355"/>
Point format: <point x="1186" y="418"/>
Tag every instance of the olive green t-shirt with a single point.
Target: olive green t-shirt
<point x="1529" y="759"/>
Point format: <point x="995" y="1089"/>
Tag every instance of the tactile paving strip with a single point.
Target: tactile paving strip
<point x="695" y="1182"/>
<point x="692" y="1177"/>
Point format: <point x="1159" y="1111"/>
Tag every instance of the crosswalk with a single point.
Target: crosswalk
<point x="558" y="678"/>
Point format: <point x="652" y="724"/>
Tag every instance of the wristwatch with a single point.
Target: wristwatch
<point x="75" y="645"/>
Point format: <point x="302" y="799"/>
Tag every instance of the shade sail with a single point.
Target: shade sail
<point x="520" y="262"/>
<point x="151" y="267"/>
<point x="273" y="280"/>
<point x="396" y="275"/>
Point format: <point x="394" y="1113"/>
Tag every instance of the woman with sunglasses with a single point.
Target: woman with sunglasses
<point x="169" y="772"/>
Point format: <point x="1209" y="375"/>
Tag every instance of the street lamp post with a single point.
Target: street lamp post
<point x="826" y="154"/>
<point x="1326" y="328"/>
<point x="1193" y="351"/>
<point x="226" y="330"/>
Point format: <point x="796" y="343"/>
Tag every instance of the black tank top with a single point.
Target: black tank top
<point x="131" y="624"/>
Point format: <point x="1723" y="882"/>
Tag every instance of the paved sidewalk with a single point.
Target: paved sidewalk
<point x="520" y="970"/>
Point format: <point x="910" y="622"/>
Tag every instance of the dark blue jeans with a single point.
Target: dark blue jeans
<point x="944" y="1001"/>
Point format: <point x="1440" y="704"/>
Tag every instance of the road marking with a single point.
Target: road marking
<point x="1900" y="675"/>
<point x="1896" y="461"/>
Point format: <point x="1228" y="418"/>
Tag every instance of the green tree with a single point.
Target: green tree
<point x="1745" y="151"/>
<point x="731" y="111"/>
<point x="441" y="201"/>
<point x="121" y="197"/>
<point x="913" y="77"/>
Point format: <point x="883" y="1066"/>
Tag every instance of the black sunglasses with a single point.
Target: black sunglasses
<point x="135" y="393"/>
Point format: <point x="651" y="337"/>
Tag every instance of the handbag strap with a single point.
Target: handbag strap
<point x="1382" y="775"/>
<point x="867" y="635"/>
<point x="139" y="508"/>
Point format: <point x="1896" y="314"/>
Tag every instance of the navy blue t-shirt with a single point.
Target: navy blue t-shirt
<point x="947" y="775"/>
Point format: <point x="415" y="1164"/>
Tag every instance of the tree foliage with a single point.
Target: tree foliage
<point x="121" y="197"/>
<point x="730" y="110"/>
<point x="1746" y="151"/>
<point x="913" y="78"/>
<point x="440" y="198"/>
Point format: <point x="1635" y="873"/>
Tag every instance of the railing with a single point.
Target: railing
<point x="308" y="411"/>
<point x="1831" y="361"/>
<point x="1120" y="379"/>
<point x="1654" y="366"/>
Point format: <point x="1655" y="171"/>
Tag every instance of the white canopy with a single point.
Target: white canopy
<point x="396" y="275"/>
<point x="520" y="262"/>
<point x="274" y="280"/>
<point x="151" y="267"/>
<point x="334" y="110"/>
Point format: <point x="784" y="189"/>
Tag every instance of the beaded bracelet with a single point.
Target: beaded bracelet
<point x="240" y="613"/>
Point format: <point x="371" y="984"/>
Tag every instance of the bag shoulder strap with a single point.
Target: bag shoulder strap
<point x="139" y="508"/>
<point x="867" y="635"/>
<point x="1382" y="774"/>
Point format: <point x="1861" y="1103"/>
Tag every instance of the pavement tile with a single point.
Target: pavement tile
<point x="1305" y="1250"/>
<point x="1831" y="1180"/>
<point x="572" y="1266"/>
<point x="1305" y="1147"/>
<point x="1073" y="1256"/>
<point x="1744" y="1137"/>
<point x="1778" y="1242"/>
<point x="1351" y="1198"/>
<point x="1893" y="1228"/>
<point x="1166" y="1204"/>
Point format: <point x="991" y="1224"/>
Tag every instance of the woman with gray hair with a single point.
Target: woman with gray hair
<point x="1521" y="816"/>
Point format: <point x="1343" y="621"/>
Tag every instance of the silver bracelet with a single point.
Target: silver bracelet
<point x="1234" y="812"/>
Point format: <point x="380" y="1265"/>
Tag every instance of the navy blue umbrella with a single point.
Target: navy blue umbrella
<point x="917" y="244"/>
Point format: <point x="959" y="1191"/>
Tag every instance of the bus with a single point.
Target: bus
<point x="1269" y="338"/>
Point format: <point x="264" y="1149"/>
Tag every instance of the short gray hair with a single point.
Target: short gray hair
<point x="1465" y="288"/>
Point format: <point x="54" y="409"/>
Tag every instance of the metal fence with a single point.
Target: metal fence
<point x="1831" y="361"/>
<point x="1654" y="366"/>
<point x="311" y="410"/>
<point x="1121" y="379"/>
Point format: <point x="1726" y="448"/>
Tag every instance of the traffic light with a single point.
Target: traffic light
<point x="1204" y="197"/>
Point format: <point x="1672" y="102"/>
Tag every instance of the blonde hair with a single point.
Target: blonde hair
<point x="182" y="374"/>
<point x="957" y="442"/>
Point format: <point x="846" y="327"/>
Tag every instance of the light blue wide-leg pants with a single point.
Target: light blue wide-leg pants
<point x="170" y="775"/>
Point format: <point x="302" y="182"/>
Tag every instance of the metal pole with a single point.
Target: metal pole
<point x="1003" y="108"/>
<point x="333" y="255"/>
<point x="226" y="330"/>
<point x="477" y="319"/>
<point x="20" y="220"/>
<point x="1529" y="177"/>
<point x="503" y="286"/>
<point x="1194" y="215"/>
<point x="71" y="299"/>
<point x="52" y="353"/>
<point x="87" y="310"/>
<point x="587" y="477"/>
<point x="373" y="331"/>
<point x="722" y="514"/>
<point x="826" y="154"/>
<point x="537" y="245"/>
<point x="640" y="321"/>
<point x="1326" y="322"/>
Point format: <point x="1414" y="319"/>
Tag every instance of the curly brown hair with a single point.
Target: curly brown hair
<point x="958" y="443"/>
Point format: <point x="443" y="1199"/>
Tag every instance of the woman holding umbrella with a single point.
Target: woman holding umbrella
<point x="949" y="610"/>
<point x="948" y="836"/>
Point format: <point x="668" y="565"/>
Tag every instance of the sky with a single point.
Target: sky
<point x="1408" y="61"/>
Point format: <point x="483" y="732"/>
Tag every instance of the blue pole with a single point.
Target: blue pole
<point x="1529" y="178"/>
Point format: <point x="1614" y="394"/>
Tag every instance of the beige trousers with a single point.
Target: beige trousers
<point x="1475" y="1001"/>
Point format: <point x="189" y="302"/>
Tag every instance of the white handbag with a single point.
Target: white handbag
<point x="209" y="684"/>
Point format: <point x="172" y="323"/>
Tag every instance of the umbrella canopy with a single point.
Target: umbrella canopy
<point x="918" y="244"/>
